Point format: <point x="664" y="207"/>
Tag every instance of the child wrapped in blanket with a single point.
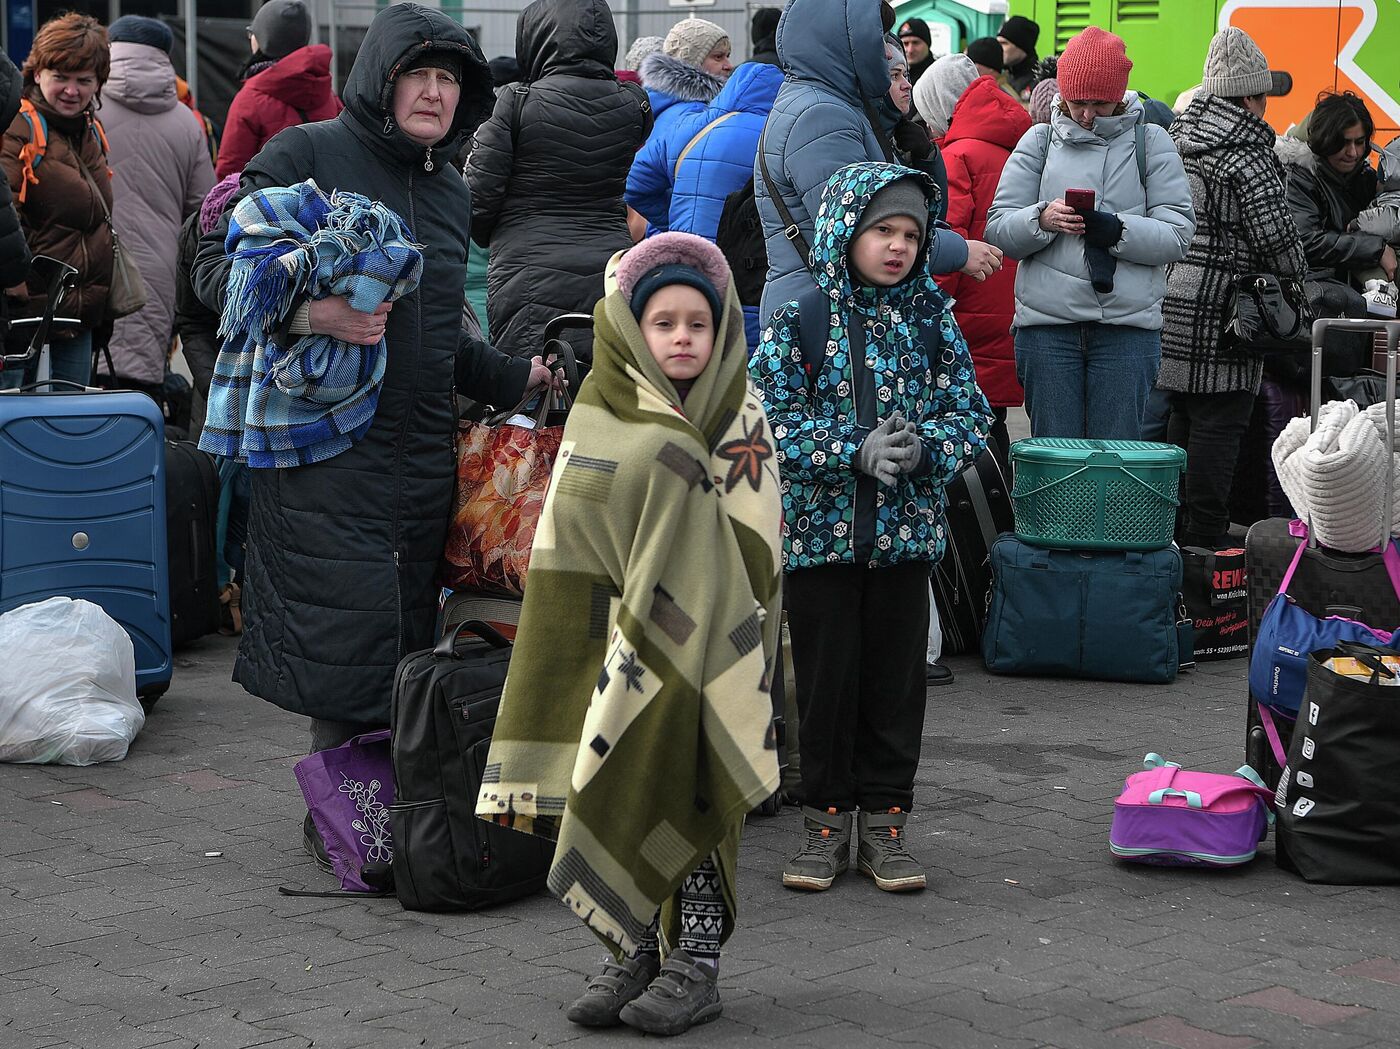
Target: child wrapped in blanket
<point x="1382" y="219"/>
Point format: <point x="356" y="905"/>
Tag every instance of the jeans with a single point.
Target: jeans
<point x="859" y="637"/>
<point x="1087" y="380"/>
<point x="69" y="359"/>
<point x="1210" y="427"/>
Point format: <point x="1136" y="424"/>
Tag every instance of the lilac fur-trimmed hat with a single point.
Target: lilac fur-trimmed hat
<point x="674" y="258"/>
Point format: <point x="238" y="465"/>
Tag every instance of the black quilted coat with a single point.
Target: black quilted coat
<point x="14" y="250"/>
<point x="547" y="171"/>
<point x="342" y="554"/>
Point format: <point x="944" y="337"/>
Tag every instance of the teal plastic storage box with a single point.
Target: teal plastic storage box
<point x="1073" y="494"/>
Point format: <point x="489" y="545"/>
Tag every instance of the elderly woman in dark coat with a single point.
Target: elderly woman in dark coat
<point x="1243" y="225"/>
<point x="342" y="553"/>
<point x="547" y="171"/>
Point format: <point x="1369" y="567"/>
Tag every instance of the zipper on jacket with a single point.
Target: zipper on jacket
<point x="403" y="437"/>
<point x="428" y="160"/>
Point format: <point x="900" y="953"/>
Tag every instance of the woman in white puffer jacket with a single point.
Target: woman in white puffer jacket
<point x="1090" y="284"/>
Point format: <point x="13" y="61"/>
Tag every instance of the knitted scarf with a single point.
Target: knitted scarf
<point x="636" y="726"/>
<point x="279" y="403"/>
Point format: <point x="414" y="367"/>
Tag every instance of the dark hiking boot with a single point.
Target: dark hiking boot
<point x="618" y="984"/>
<point x="826" y="850"/>
<point x="683" y="995"/>
<point x="882" y="855"/>
<point x="314" y="846"/>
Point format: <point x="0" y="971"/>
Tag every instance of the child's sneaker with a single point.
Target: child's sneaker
<point x="826" y="850"/>
<point x="882" y="854"/>
<point x="1381" y="298"/>
<point x="610" y="991"/>
<point x="684" y="994"/>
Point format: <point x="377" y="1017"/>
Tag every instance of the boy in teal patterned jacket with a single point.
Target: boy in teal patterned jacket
<point x="870" y="391"/>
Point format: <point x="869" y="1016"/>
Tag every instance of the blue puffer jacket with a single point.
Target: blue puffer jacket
<point x="679" y="93"/>
<point x="719" y="163"/>
<point x="833" y="52"/>
<point x="835" y="514"/>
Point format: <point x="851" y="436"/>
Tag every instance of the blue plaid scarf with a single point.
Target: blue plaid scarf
<point x="277" y="403"/>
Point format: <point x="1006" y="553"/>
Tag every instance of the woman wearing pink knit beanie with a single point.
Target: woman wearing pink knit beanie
<point x="1095" y="206"/>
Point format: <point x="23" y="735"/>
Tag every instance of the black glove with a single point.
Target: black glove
<point x="912" y="138"/>
<point x="1102" y="229"/>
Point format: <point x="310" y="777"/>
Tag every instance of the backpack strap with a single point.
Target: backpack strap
<point x="32" y="152"/>
<point x="791" y="230"/>
<point x="676" y="174"/>
<point x="517" y="105"/>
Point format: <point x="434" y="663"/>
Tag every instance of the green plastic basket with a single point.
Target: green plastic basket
<point x="1073" y="494"/>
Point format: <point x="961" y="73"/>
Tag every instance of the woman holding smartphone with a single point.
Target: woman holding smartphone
<point x="1095" y="205"/>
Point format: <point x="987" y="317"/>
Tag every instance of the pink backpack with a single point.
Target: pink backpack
<point x="1171" y="817"/>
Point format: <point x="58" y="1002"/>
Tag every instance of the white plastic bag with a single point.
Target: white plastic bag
<point x="68" y="687"/>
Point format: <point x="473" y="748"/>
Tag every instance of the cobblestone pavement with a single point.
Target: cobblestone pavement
<point x="138" y="905"/>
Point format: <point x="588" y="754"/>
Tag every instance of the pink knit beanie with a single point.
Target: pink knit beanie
<point x="1094" y="67"/>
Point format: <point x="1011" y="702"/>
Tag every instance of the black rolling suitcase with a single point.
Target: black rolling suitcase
<point x="979" y="509"/>
<point x="442" y="714"/>
<point x="191" y="522"/>
<point x="1326" y="583"/>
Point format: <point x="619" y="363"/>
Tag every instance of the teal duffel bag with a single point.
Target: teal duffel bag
<point x="1114" y="616"/>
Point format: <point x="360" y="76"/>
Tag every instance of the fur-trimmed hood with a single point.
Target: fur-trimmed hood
<point x="664" y="75"/>
<point x="1294" y="153"/>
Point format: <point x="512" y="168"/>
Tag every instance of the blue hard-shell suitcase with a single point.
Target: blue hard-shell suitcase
<point x="82" y="513"/>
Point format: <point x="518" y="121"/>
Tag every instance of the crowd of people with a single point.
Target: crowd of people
<point x="820" y="279"/>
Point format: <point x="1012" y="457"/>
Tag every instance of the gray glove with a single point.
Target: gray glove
<point x="915" y="451"/>
<point x="883" y="450"/>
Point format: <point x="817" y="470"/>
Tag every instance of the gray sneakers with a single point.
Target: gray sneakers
<point x="607" y="993"/>
<point x="683" y="995"/>
<point x="826" y="850"/>
<point x="882" y="854"/>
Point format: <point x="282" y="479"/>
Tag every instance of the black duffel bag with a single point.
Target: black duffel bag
<point x="1339" y="796"/>
<point x="442" y="714"/>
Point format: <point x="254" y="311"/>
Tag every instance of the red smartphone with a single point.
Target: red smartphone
<point x="1080" y="199"/>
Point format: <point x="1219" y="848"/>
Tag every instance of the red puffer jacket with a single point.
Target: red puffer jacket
<point x="295" y="90"/>
<point x="986" y="125"/>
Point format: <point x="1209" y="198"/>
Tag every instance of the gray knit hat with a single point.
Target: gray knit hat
<point x="692" y="39"/>
<point x="1235" y="67"/>
<point x="939" y="89"/>
<point x="903" y="196"/>
<point x="282" y="26"/>
<point x="641" y="47"/>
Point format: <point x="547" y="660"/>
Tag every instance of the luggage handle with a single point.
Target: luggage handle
<point x="31" y="387"/>
<point x="1391" y="330"/>
<point x="446" y="648"/>
<point x="1162" y="793"/>
<point x="564" y="361"/>
<point x="1116" y="462"/>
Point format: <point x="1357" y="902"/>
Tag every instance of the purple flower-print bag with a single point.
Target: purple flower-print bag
<point x="348" y="791"/>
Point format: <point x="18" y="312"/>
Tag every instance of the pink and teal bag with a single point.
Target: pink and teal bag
<point x="1171" y="817"/>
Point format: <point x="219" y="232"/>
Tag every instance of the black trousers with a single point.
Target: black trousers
<point x="858" y="642"/>
<point x="1210" y="427"/>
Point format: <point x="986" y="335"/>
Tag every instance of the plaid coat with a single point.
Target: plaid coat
<point x="1243" y="225"/>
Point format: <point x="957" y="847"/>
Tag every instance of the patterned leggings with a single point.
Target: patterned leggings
<point x="702" y="917"/>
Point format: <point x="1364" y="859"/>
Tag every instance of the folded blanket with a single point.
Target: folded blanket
<point x="1335" y="476"/>
<point x="275" y="402"/>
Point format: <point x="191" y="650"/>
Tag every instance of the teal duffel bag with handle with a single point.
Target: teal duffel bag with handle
<point x="1113" y="616"/>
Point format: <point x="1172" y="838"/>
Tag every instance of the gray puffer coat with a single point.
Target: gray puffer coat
<point x="547" y="172"/>
<point x="342" y="554"/>
<point x="1052" y="281"/>
<point x="1242" y="226"/>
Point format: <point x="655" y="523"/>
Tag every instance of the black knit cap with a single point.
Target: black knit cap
<point x="448" y="60"/>
<point x="674" y="273"/>
<point x="1022" y="32"/>
<point x="916" y="27"/>
<point x="986" y="51"/>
